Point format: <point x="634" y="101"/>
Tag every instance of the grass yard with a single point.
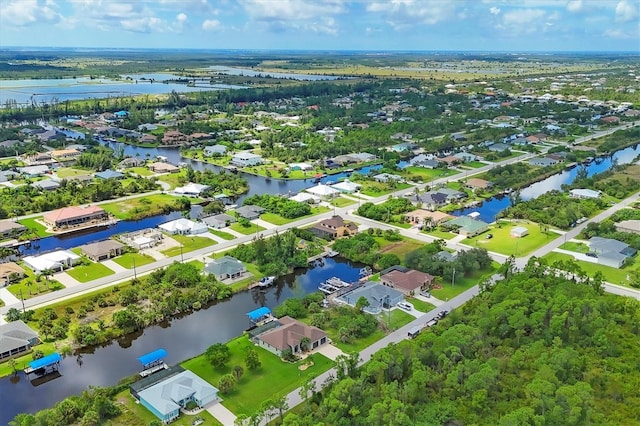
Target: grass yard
<point x="612" y="275"/>
<point x="399" y="248"/>
<point x="86" y="273"/>
<point x="462" y="284"/>
<point x="140" y="171"/>
<point x="222" y="234"/>
<point x="174" y="179"/>
<point x="140" y="207"/>
<point x="274" y="378"/>
<point x="376" y="189"/>
<point x="396" y="318"/>
<point x="252" y="229"/>
<point x="342" y="202"/>
<point x="429" y="174"/>
<point x="574" y="246"/>
<point x="127" y="260"/>
<point x="29" y="286"/>
<point x="445" y="235"/>
<point x="31" y="223"/>
<point x="23" y="361"/>
<point x="421" y="305"/>
<point x="502" y="242"/>
<point x="189" y="243"/>
<point x="66" y="172"/>
<point x="474" y="164"/>
<point x="136" y="414"/>
<point x="276" y="219"/>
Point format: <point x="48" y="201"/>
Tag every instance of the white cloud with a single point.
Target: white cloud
<point x="282" y="15"/>
<point x="211" y="25"/>
<point x="19" y="13"/>
<point x="406" y="13"/>
<point x="522" y="16"/>
<point x="621" y="34"/>
<point x="575" y="6"/>
<point x="494" y="10"/>
<point x="181" y="17"/>
<point x="626" y="11"/>
<point x="143" y="25"/>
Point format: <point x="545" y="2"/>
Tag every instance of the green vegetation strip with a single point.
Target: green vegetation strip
<point x="188" y="244"/>
<point x="31" y="223"/>
<point x="613" y="275"/>
<point x="246" y="230"/>
<point x="222" y="234"/>
<point x="86" y="273"/>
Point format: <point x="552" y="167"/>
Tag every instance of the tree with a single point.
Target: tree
<point x="362" y="303"/>
<point x="281" y="405"/>
<point x="252" y="360"/>
<point x="227" y="383"/>
<point x="305" y="344"/>
<point x="238" y="371"/>
<point x="218" y="355"/>
<point x="13" y="315"/>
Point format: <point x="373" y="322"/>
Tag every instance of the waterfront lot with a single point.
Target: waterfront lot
<point x="376" y="189"/>
<point x="139" y="207"/>
<point x="246" y="230"/>
<point x="39" y="228"/>
<point x="503" y="243"/>
<point x="399" y="248"/>
<point x="188" y="244"/>
<point x="429" y="174"/>
<point x="276" y="219"/>
<point x="90" y="272"/>
<point x="273" y="379"/>
<point x="612" y="275"/>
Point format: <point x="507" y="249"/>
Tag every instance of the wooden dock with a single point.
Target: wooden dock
<point x="321" y="256"/>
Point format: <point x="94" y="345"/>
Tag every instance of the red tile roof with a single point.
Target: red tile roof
<point x="73" y="212"/>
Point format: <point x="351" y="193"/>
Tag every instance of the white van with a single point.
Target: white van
<point x="405" y="305"/>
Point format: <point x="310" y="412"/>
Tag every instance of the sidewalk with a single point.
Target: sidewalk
<point x="7" y="297"/>
<point x="66" y="280"/>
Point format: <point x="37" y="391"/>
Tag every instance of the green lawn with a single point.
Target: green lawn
<point x="174" y="179"/>
<point x="252" y="229"/>
<point x="502" y="242"/>
<point x="461" y="284"/>
<point x="29" y="286"/>
<point x="475" y="164"/>
<point x="445" y="235"/>
<point x="136" y="414"/>
<point x="127" y="260"/>
<point x="274" y="378"/>
<point x="342" y="202"/>
<point x="65" y="172"/>
<point x="276" y="219"/>
<point x="574" y="246"/>
<point x="429" y="174"/>
<point x="86" y="273"/>
<point x="23" y="361"/>
<point x="222" y="234"/>
<point x="612" y="275"/>
<point x="399" y="248"/>
<point x="140" y="171"/>
<point x="31" y="223"/>
<point x="139" y="207"/>
<point x="420" y="305"/>
<point x="396" y="318"/>
<point x="189" y="243"/>
<point x="376" y="189"/>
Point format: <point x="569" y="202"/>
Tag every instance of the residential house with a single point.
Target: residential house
<point x="16" y="339"/>
<point x="632" y="226"/>
<point x="408" y="281"/>
<point x="10" y="272"/>
<point x="219" y="221"/>
<point x="191" y="189"/>
<point x="430" y="200"/>
<point x="53" y="261"/>
<point x="131" y="162"/>
<point x="147" y="138"/>
<point x="288" y="335"/>
<point x="478" y="184"/>
<point x="423" y="217"/>
<point x="543" y="161"/>
<point x="303" y="197"/>
<point x="363" y="157"/>
<point x="108" y="174"/>
<point x="245" y="159"/>
<point x="183" y="226"/>
<point x="215" y="150"/>
<point x="65" y="154"/>
<point x="346" y="186"/>
<point x="142" y="239"/>
<point x="611" y="252"/>
<point x="334" y="227"/>
<point x="467" y="226"/>
<point x="450" y="160"/>
<point x="250" y="211"/>
<point x="46" y="184"/>
<point x="166" y="397"/>
<point x="226" y="268"/>
<point x="465" y="157"/>
<point x="584" y="193"/>
<point x="300" y="166"/>
<point x="161" y="167"/>
<point x="498" y="147"/>
<point x="453" y="196"/>
<point x="102" y="250"/>
<point x="446" y="256"/>
<point x="175" y="137"/>
<point x="379" y="296"/>
<point x="9" y="228"/>
<point x="323" y="191"/>
<point x="68" y="217"/>
<point x="33" y="171"/>
<point x="519" y="232"/>
<point x="7" y="175"/>
<point x="388" y="177"/>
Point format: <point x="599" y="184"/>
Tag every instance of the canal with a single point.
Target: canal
<point x="490" y="208"/>
<point x="183" y="338"/>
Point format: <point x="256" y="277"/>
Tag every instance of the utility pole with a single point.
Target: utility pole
<point x="135" y="276"/>
<point x="22" y="300"/>
<point x="181" y="256"/>
<point x="453" y="278"/>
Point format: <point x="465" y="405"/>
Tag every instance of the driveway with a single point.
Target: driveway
<point x="221" y="413"/>
<point x="330" y="351"/>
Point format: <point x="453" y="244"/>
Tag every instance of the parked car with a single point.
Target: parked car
<point x="442" y="314"/>
<point x="405" y="305"/>
<point x="489" y="236"/>
<point x="431" y="323"/>
<point x="591" y="254"/>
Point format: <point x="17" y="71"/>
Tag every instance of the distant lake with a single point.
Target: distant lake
<point x="283" y="75"/>
<point x="45" y="90"/>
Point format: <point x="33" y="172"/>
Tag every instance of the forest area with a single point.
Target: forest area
<point x="531" y="350"/>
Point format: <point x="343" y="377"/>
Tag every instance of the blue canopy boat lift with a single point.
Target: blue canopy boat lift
<point x="260" y="316"/>
<point x="44" y="365"/>
<point x="152" y="362"/>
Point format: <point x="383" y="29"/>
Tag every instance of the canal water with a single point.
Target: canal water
<point x="183" y="338"/>
<point x="492" y="207"/>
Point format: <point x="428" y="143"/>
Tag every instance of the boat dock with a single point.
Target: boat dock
<point x="332" y="285"/>
<point x="152" y="362"/>
<point x="321" y="256"/>
<point x="44" y="365"/>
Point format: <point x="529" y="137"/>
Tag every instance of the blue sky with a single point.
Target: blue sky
<point x="486" y="25"/>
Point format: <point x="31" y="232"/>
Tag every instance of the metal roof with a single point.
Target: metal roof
<point x="259" y="313"/>
<point x="152" y="356"/>
<point x="45" y="361"/>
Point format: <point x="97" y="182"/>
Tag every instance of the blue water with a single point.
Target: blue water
<point x="489" y="209"/>
<point x="253" y="73"/>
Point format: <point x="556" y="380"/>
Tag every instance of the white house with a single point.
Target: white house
<point x="54" y="261"/>
<point x="323" y="191"/>
<point x="215" y="150"/>
<point x="519" y="232"/>
<point x="300" y="166"/>
<point x="184" y="226"/>
<point x="191" y="189"/>
<point x="246" y="159"/>
<point x="303" y="197"/>
<point x="346" y="187"/>
<point x="585" y="193"/>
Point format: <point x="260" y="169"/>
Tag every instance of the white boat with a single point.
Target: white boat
<point x="266" y="281"/>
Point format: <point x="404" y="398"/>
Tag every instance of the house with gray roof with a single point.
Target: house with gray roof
<point x="109" y="174"/>
<point x="102" y="250"/>
<point x="9" y="228"/>
<point x="611" y="252"/>
<point x="214" y="150"/>
<point x="498" y="147"/>
<point x="16" y="338"/>
<point x="388" y="177"/>
<point x="379" y="296"/>
<point x="250" y="211"/>
<point x="226" y="268"/>
<point x="218" y="221"/>
<point x="7" y="175"/>
<point x="47" y="184"/>
<point x="467" y="226"/>
<point x="543" y="161"/>
<point x="431" y="200"/>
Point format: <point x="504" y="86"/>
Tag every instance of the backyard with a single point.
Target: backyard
<point x="274" y="378"/>
<point x="141" y="207"/>
<point x="611" y="275"/>
<point x="39" y="228"/>
<point x="502" y="242"/>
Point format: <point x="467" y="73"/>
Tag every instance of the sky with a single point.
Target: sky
<point x="378" y="25"/>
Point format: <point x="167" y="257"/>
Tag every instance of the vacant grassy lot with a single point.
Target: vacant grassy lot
<point x="462" y="283"/>
<point x="421" y="305"/>
<point x="174" y="179"/>
<point x="65" y="172"/>
<point x="376" y="189"/>
<point x="140" y="207"/>
<point x="445" y="235"/>
<point x="29" y="286"/>
<point x="399" y="248"/>
<point x="140" y="171"/>
<point x="222" y="234"/>
<point x="276" y="219"/>
<point x="248" y="230"/>
<point x="273" y="379"/>
<point x="575" y="246"/>
<point x="127" y="260"/>
<point x="31" y="223"/>
<point x="612" y="275"/>
<point x="86" y="273"/>
<point x="189" y="243"/>
<point x="342" y="202"/>
<point x="429" y="174"/>
<point x="502" y="242"/>
<point x="395" y="318"/>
